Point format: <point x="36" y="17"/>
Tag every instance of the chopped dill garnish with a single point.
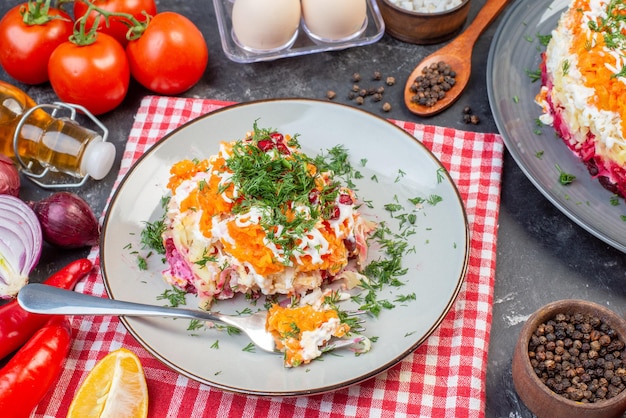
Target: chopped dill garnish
<point x="245" y="311"/>
<point x="565" y="178"/>
<point x="151" y="236"/>
<point x="195" y="324"/>
<point x="433" y="199"/>
<point x="230" y="330"/>
<point x="175" y="296"/>
<point x="533" y="75"/>
<point x="205" y="259"/>
<point x="406" y="298"/>
<point x="544" y="39"/>
<point x="440" y="174"/>
<point x="142" y="263"/>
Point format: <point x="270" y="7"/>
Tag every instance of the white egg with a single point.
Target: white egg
<point x="334" y="19"/>
<point x="265" y="24"/>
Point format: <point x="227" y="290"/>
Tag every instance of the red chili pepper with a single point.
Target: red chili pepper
<point x="18" y="325"/>
<point x="30" y="373"/>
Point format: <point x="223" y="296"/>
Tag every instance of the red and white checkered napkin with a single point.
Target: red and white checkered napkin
<point x="445" y="376"/>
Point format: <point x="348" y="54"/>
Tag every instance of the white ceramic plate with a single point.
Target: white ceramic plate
<point x="404" y="169"/>
<point x="514" y="50"/>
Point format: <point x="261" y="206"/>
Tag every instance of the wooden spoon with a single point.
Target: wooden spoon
<point x="458" y="54"/>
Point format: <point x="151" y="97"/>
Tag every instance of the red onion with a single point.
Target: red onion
<point x="20" y="244"/>
<point x="9" y="177"/>
<point x="67" y="221"/>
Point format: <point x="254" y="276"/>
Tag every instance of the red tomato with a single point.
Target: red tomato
<point x="26" y="48"/>
<point x="170" y="56"/>
<point x="116" y="28"/>
<point x="95" y="76"/>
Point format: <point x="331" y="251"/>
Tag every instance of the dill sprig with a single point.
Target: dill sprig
<point x="175" y="296"/>
<point x="276" y="182"/>
<point x="151" y="235"/>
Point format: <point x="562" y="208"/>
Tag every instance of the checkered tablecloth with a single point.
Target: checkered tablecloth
<point x="444" y="377"/>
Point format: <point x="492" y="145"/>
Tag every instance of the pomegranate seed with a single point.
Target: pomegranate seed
<point x="334" y="213"/>
<point x="345" y="199"/>
<point x="277" y="137"/>
<point x="282" y="148"/>
<point x="314" y="197"/>
<point x="265" y="145"/>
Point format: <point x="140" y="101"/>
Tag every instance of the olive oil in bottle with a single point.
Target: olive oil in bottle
<point x="58" y="144"/>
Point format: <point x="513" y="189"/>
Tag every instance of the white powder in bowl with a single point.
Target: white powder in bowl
<point x="427" y="6"/>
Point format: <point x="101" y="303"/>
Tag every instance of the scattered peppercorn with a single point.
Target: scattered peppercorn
<point x="579" y="357"/>
<point x="432" y="84"/>
<point x="359" y="93"/>
<point x="469" y="117"/>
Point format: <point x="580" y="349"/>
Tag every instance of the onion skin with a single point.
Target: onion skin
<point x="9" y="177"/>
<point x="67" y="221"/>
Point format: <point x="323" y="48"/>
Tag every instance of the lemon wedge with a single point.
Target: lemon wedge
<point x="115" y="387"/>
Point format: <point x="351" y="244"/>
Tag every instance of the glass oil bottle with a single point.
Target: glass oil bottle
<point x="41" y="142"/>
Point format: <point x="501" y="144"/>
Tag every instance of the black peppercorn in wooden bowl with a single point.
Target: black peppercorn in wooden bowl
<point x="424" y="27"/>
<point x="570" y="361"/>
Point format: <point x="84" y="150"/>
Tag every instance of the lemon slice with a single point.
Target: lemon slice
<point x="115" y="387"/>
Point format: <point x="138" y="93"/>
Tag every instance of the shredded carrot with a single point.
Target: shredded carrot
<point x="288" y="323"/>
<point x="184" y="170"/>
<point x="592" y="54"/>
<point x="333" y="261"/>
<point x="249" y="247"/>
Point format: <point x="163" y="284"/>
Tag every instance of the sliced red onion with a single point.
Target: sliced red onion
<point x="9" y="177"/>
<point x="21" y="243"/>
<point x="67" y="221"/>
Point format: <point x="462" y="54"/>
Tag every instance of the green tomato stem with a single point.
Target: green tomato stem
<point x="83" y="37"/>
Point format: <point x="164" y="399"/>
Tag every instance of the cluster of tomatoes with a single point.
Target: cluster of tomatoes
<point x="89" y="59"/>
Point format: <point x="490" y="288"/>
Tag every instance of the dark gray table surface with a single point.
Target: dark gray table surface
<point x="541" y="254"/>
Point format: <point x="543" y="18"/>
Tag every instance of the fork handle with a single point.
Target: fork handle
<point x="44" y="299"/>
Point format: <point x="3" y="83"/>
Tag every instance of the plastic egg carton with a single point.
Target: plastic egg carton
<point x="374" y="28"/>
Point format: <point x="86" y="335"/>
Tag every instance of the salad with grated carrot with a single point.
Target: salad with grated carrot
<point x="584" y="85"/>
<point x="260" y="217"/>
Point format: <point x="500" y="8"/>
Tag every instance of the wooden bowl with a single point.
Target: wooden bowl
<point x="540" y="399"/>
<point x="422" y="28"/>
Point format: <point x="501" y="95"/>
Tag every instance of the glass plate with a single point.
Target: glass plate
<point x="373" y="30"/>
<point x="537" y="150"/>
<point x="436" y="268"/>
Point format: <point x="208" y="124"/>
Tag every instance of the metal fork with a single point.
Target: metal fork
<point x="43" y="299"/>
